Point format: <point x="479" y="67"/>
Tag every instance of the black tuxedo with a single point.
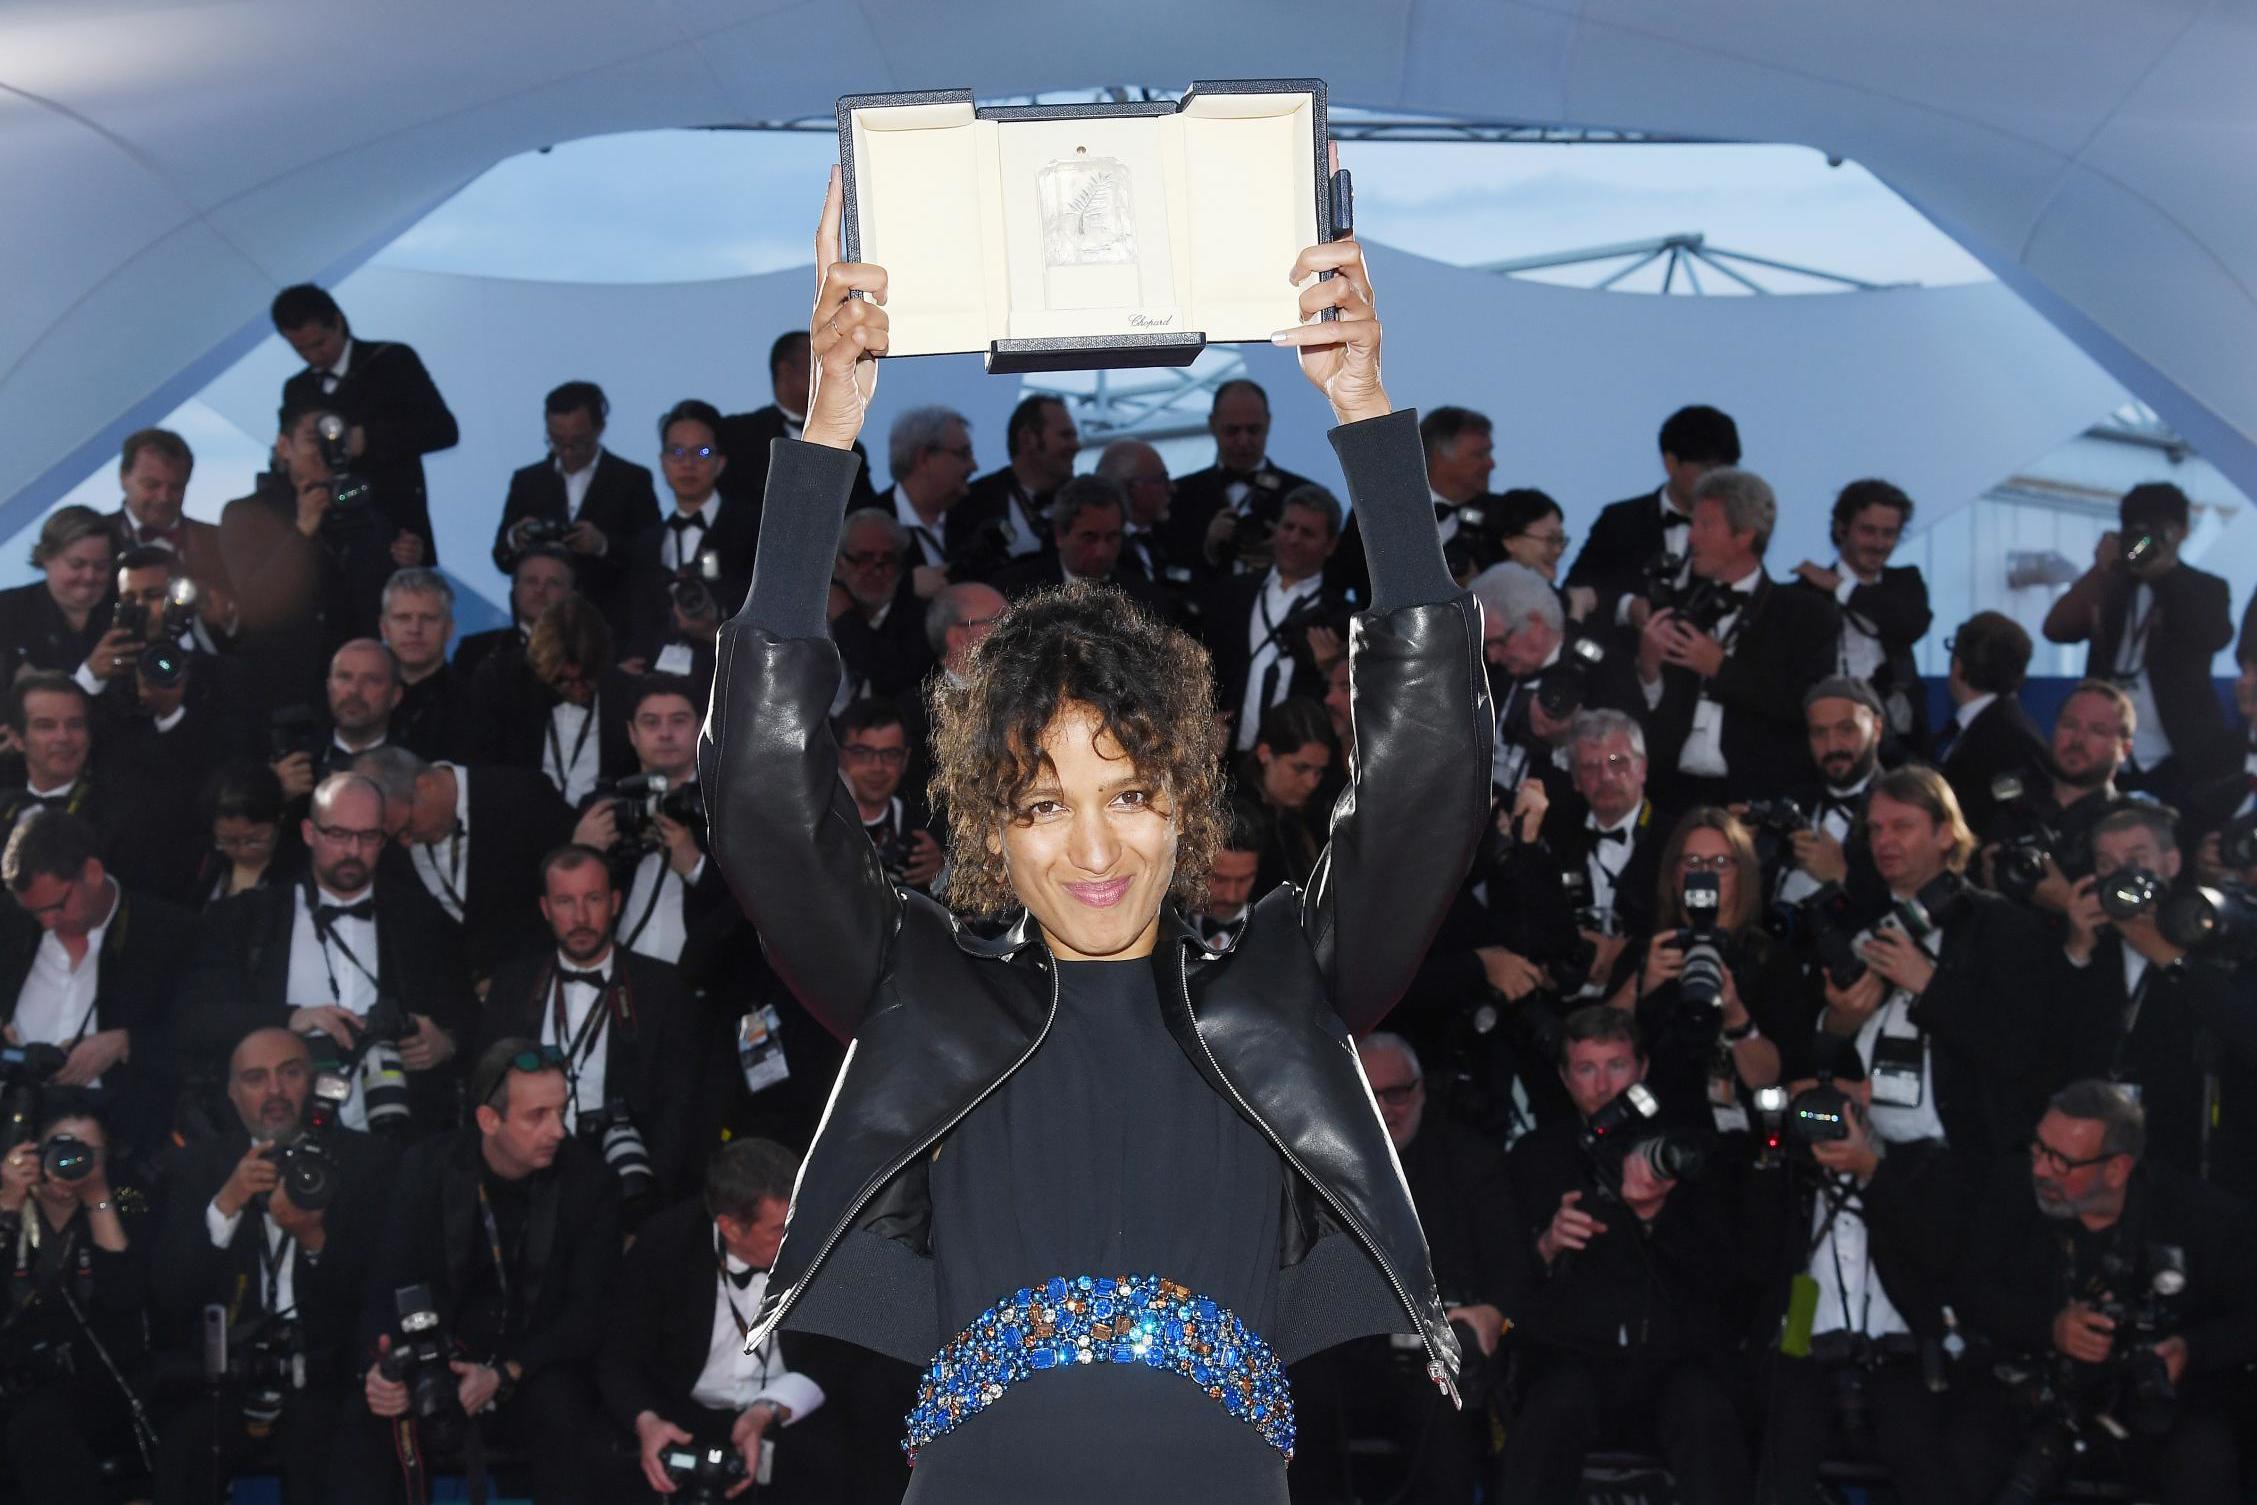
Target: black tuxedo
<point x="34" y="633"/>
<point x="892" y="658"/>
<point x="239" y="974"/>
<point x="1625" y="540"/>
<point x="1203" y="493"/>
<point x="516" y="819"/>
<point x="1232" y="607"/>
<point x="2192" y="618"/>
<point x="745" y="438"/>
<point x="1783" y="643"/>
<point x="435" y="714"/>
<point x="195" y="544"/>
<point x="1568" y="837"/>
<point x="977" y="531"/>
<point x="473" y="651"/>
<point x="733" y="534"/>
<point x="651" y="1050"/>
<point x="621" y="502"/>
<point x="110" y="809"/>
<point x="2002" y="741"/>
<point x="386" y="391"/>
<point x="159" y="840"/>
<point x="513" y="717"/>
<point x="136" y="991"/>
<point x="1895" y="610"/>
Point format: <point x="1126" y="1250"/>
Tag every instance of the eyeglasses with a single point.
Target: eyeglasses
<point x="862" y="752"/>
<point x="685" y="452"/>
<point x="960" y="451"/>
<point x="1556" y="542"/>
<point x="1398" y="1095"/>
<point x="1720" y="863"/>
<point x="340" y="837"/>
<point x="540" y="1058"/>
<point x="2060" y="1164"/>
<point x="244" y="843"/>
<point x="867" y="559"/>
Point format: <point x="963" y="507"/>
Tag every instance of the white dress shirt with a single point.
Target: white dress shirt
<point x="733" y="1379"/>
<point x="1834" y="820"/>
<point x="2150" y="743"/>
<point x="55" y="1005"/>
<point x="576" y="483"/>
<point x="924" y="537"/>
<point x="221" y="1227"/>
<point x="444" y="865"/>
<point x="338" y="968"/>
<point x="1703" y="753"/>
<point x="1272" y="606"/>
<point x="1861" y="653"/>
<point x="652" y="923"/>
<point x="1607" y="859"/>
<point x="671" y="540"/>
<point x="583" y="1068"/>
<point x="1445" y="514"/>
<point x="572" y="750"/>
<point x="335" y="374"/>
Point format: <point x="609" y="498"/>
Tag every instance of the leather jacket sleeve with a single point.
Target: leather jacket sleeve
<point x="785" y="831"/>
<point x="1404" y="831"/>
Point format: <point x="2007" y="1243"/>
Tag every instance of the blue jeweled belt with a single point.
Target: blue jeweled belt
<point x="1106" y="1319"/>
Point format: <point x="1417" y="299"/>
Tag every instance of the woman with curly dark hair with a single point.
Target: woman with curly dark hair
<point x="1103" y="1180"/>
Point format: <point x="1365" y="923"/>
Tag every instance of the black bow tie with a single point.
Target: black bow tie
<point x="1617" y="834"/>
<point x="741" y="1278"/>
<point x="594" y="980"/>
<point x="682" y="522"/>
<point x="1672" y="518"/>
<point x="330" y="914"/>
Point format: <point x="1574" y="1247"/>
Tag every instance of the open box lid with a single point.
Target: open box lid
<point x="1068" y="237"/>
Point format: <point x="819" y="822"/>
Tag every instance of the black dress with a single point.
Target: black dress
<point x="1105" y="1154"/>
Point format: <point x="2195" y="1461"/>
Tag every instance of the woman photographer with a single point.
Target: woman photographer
<point x="72" y="1328"/>
<point x="1286" y="771"/>
<point x="1710" y="1029"/>
<point x="1114" y="1178"/>
<point x="244" y="802"/>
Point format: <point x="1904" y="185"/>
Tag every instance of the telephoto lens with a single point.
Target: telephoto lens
<point x="1671" y="1158"/>
<point x="384" y="1087"/>
<point x="1701" y="984"/>
<point x="622" y="1145"/>
<point x="67" y="1158"/>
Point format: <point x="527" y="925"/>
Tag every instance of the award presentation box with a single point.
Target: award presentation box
<point x="1072" y="237"/>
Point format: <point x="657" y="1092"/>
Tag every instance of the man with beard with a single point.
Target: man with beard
<point x="364" y="690"/>
<point x="1845" y="720"/>
<point x="2086" y="1223"/>
<point x="2092" y="738"/>
<point x="1884" y="610"/>
<point x="321" y="954"/>
<point x="876" y="619"/>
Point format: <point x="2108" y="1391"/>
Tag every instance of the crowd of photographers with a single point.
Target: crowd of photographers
<point x="391" y="1087"/>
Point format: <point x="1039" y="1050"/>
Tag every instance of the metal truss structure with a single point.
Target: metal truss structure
<point x="1688" y="252"/>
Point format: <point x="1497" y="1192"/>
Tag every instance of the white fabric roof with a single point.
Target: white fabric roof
<point x="166" y="166"/>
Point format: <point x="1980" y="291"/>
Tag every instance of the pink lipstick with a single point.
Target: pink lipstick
<point x="1099" y="895"/>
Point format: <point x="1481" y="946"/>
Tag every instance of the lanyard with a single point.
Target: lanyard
<point x="494" y="1247"/>
<point x="582" y="1045"/>
<point x="650" y="905"/>
<point x="728" y="1284"/>
<point x="579" y="744"/>
<point x="327" y="935"/>
<point x="2131" y="653"/>
<point x="449" y="878"/>
<point x="272" y="1258"/>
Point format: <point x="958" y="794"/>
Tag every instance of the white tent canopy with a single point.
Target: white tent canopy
<point x="167" y="166"/>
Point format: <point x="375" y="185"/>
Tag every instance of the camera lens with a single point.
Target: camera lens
<point x="67" y="1158"/>
<point x="2129" y="893"/>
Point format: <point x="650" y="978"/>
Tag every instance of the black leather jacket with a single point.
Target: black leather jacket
<point x="939" y="1016"/>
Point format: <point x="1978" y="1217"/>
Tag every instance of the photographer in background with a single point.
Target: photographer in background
<point x="355" y="952"/>
<point x="1142" y="474"/>
<point x="1461" y="455"/>
<point x="432" y="719"/>
<point x="53" y="721"/>
<point x="674" y="1370"/>
<point x="583" y="497"/>
<point x="1221" y="516"/>
<point x="1230" y="880"/>
<point x="1716" y="998"/>
<point x="2125" y="1285"/>
<point x="1884" y="610"/>
<point x="1004" y="516"/>
<point x="153" y="470"/>
<point x="379" y="387"/>
<point x="556" y="707"/>
<point x="705" y="536"/>
<point x="1087" y="516"/>
<point x="511" y="1225"/>
<point x="929" y="451"/>
<point x="1724" y="669"/>
<point x="1259" y="625"/>
<point x="1290" y="760"/>
<point x="1641" y="540"/>
<point x="1989" y="736"/>
<point x="621" y="1025"/>
<point x="1952" y="992"/>
<point x="542" y="576"/>
<point x="2161" y="1030"/>
<point x="242" y="806"/>
<point x="288" y="1275"/>
<point x="90" y="968"/>
<point x="475" y="838"/>
<point x="72" y="1327"/>
<point x="876" y="617"/>
<point x="1843" y="717"/>
<point x="2154" y="623"/>
<point x="1524" y="637"/>
<point x="1629" y="1330"/>
<point x="748" y="435"/>
<point x="2051" y="820"/>
<point x="873" y="751"/>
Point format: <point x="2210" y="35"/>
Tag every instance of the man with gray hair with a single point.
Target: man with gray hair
<point x="1136" y="467"/>
<point x="929" y="452"/>
<point x="875" y="619"/>
<point x="1723" y="669"/>
<point x="417" y="621"/>
<point x="1613" y="842"/>
<point x="1523" y="634"/>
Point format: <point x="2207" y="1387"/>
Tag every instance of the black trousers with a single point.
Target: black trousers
<point x="1802" y="1428"/>
<point x="2197" y="1462"/>
<point x="552" y="1421"/>
<point x="299" y="1444"/>
<point x="1681" y="1407"/>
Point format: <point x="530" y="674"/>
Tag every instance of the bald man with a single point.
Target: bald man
<point x="364" y="686"/>
<point x="355" y="944"/>
<point x="234" y="1235"/>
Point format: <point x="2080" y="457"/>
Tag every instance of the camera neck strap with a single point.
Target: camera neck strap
<point x="728" y="1282"/>
<point x="577" y="1046"/>
<point x="326" y="932"/>
<point x="494" y="1248"/>
<point x="449" y="876"/>
<point x="274" y="1256"/>
<point x="564" y="765"/>
<point x="1841" y="1196"/>
<point x="650" y="905"/>
<point x="2131" y="642"/>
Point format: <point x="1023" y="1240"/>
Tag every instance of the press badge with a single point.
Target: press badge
<point x="1899" y="1071"/>
<point x="760" y="1049"/>
<point x="675" y="659"/>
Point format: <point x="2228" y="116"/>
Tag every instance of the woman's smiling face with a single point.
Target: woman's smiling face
<point x="1090" y="846"/>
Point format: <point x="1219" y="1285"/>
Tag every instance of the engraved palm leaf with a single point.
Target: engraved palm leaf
<point x="1093" y="202"/>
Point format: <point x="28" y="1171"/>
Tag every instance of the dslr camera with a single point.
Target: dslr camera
<point x="374" y="1062"/>
<point x="704" y="1476"/>
<point x="294" y="729"/>
<point x="530" y="533"/>
<point x="418" y="1360"/>
<point x="1700" y="985"/>
<point x="2217" y="925"/>
<point x="267" y="1358"/>
<point x="694" y="584"/>
<point x="1773" y="825"/>
<point x="639" y="799"/>
<point x="1700" y="604"/>
<point x="1566" y="686"/>
<point x="162" y="661"/>
<point x="612" y="1130"/>
<point x="1622" y="1129"/>
<point x="25" y="1071"/>
<point x="349" y="491"/>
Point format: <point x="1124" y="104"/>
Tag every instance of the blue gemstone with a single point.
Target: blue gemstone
<point x="1085" y="1283"/>
<point x="1102" y="1307"/>
<point x="1207" y="1310"/>
<point x="1014" y="1336"/>
<point x="1023" y="1297"/>
<point x="1121" y="1353"/>
<point x="1174" y="1330"/>
<point x="1234" y="1403"/>
<point x="1056" y="1290"/>
<point x="1042" y="1358"/>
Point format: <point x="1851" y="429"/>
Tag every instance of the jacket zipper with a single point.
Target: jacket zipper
<point x="1436" y="1369"/>
<point x="784" y="1302"/>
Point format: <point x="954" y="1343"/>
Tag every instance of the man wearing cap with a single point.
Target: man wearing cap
<point x="1845" y="720"/>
